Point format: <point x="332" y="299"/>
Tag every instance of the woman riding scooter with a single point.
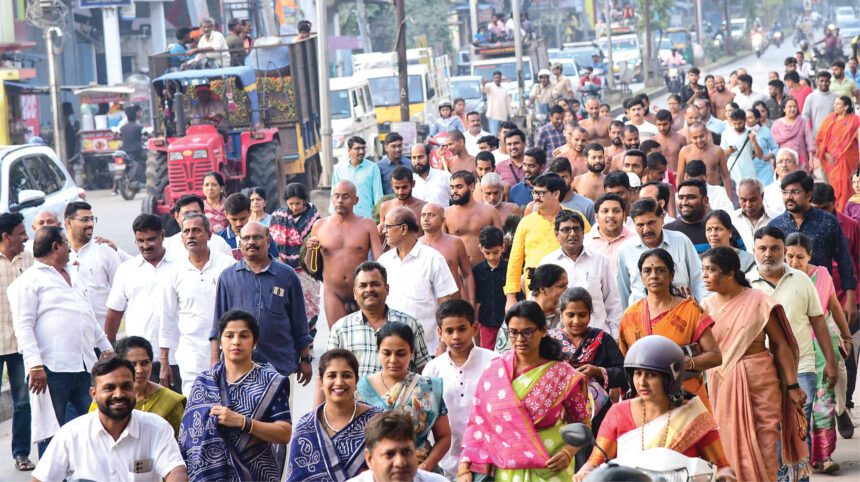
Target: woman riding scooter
<point x="662" y="414"/>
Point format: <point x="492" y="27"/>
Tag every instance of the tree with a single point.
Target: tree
<point x="423" y="17"/>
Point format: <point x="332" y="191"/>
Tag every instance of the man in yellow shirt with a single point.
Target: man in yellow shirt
<point x="535" y="235"/>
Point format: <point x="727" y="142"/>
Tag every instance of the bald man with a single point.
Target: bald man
<point x="692" y="114"/>
<point x="451" y="247"/>
<point x="466" y="217"/>
<point x="714" y="158"/>
<point x="42" y="219"/>
<point x="574" y="149"/>
<point x="457" y="157"/>
<point x="597" y="127"/>
<point x="344" y="240"/>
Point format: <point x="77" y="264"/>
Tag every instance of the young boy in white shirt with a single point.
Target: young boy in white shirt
<point x="459" y="367"/>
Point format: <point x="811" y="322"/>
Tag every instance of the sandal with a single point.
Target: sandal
<point x="828" y="466"/>
<point x="23" y="463"/>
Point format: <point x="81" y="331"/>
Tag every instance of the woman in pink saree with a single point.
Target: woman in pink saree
<point x="755" y="390"/>
<point x="793" y="131"/>
<point x="521" y="402"/>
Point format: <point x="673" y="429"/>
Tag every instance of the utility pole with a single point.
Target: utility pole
<point x="363" y="27"/>
<point x="518" y="52"/>
<point x="473" y="19"/>
<point x="728" y="30"/>
<point x="325" y="108"/>
<point x="646" y="62"/>
<point x="698" y="6"/>
<point x="402" y="73"/>
<point x="610" y="76"/>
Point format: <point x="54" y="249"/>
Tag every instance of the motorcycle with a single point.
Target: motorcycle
<point x="129" y="174"/>
<point x="758" y="44"/>
<point x="653" y="464"/>
<point x="776" y="38"/>
<point x="674" y="78"/>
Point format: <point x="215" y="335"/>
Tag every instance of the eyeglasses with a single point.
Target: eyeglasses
<point x="252" y="237"/>
<point x="539" y="194"/>
<point x="792" y="192"/>
<point x="87" y="219"/>
<point x="527" y="333"/>
<point x="568" y="230"/>
<point x="386" y="227"/>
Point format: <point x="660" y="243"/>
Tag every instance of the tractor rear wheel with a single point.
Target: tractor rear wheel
<point x="263" y="172"/>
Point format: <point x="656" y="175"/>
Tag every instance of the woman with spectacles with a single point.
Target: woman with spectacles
<point x="396" y="388"/>
<point x="523" y="399"/>
<point x="679" y="319"/>
<point x="546" y="284"/>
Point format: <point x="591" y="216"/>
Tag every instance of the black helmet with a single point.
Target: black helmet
<point x="657" y="354"/>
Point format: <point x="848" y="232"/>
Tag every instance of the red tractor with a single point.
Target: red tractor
<point x="255" y="127"/>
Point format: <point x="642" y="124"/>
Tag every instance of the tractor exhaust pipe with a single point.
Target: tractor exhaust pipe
<point x="179" y="113"/>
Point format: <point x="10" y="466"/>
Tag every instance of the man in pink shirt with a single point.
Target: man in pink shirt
<point x="610" y="211"/>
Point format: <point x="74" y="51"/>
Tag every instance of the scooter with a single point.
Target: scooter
<point x="776" y="38"/>
<point x="758" y="43"/>
<point x="673" y="77"/>
<point x="129" y="174"/>
<point x="655" y="464"/>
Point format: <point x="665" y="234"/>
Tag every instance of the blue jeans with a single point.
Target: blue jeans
<point x="20" y="403"/>
<point x="807" y="381"/>
<point x="495" y="125"/>
<point x="67" y="389"/>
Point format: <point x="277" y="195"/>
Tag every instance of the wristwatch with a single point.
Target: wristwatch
<point x="307" y="359"/>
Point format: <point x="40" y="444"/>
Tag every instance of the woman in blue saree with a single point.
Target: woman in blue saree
<point x="238" y="414"/>
<point x="328" y="443"/>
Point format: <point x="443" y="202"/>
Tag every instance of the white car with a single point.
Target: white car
<point x="33" y="179"/>
<point x="353" y="114"/>
<point x="844" y="14"/>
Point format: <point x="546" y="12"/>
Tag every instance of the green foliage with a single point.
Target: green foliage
<point x="426" y="18"/>
<point x="659" y="16"/>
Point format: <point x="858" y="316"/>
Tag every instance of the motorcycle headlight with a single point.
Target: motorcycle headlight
<point x="200" y="154"/>
<point x="175" y="156"/>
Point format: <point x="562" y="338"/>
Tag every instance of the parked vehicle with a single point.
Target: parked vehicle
<point x="625" y="48"/>
<point x="33" y="179"/>
<point x="844" y="14"/>
<point x="738" y="29"/>
<point x="567" y="59"/>
<point x="268" y="137"/>
<point x="468" y="88"/>
<point x="353" y="114"/>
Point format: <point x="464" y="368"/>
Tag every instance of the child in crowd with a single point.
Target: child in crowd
<point x="459" y="367"/>
<point x="489" y="283"/>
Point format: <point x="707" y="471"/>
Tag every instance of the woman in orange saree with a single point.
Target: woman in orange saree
<point x="681" y="320"/>
<point x="838" y="148"/>
<point x="755" y="390"/>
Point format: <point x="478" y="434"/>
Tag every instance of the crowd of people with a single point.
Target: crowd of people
<point x="683" y="275"/>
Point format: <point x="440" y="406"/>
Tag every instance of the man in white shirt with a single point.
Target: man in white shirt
<point x="586" y="269"/>
<point x="96" y="262"/>
<point x="648" y="222"/>
<point x="136" y="286"/>
<point x="636" y="112"/>
<point x="212" y="44"/>
<point x="56" y="328"/>
<point x="390" y="452"/>
<point x="173" y="246"/>
<point x="187" y="304"/>
<point x="741" y="146"/>
<point x="751" y="215"/>
<point x="418" y="275"/>
<point x="746" y="97"/>
<point x="786" y="163"/>
<point x="431" y="185"/>
<point x="473" y="133"/>
<point x="498" y="103"/>
<point x="115" y="442"/>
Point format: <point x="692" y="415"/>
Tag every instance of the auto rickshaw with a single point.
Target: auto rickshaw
<point x="682" y="40"/>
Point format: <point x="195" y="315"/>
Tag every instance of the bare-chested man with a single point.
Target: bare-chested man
<point x="630" y="140"/>
<point x="615" y="143"/>
<point x="485" y="163"/>
<point x="493" y="188"/>
<point x="458" y="158"/>
<point x="573" y="150"/>
<point x="402" y="183"/>
<point x="713" y="157"/>
<point x="344" y="240"/>
<point x="465" y="217"/>
<point x="597" y="127"/>
<point x="590" y="184"/>
<point x="452" y="248"/>
<point x="692" y="114"/>
<point x="670" y="142"/>
<point x="720" y="97"/>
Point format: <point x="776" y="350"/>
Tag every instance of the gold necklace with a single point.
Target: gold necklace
<point x="644" y="421"/>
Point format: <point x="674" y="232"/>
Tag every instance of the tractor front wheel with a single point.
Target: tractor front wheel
<point x="263" y="172"/>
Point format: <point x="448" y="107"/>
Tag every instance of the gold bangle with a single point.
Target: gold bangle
<point x="38" y="368"/>
<point x="251" y="428"/>
<point x="244" y="421"/>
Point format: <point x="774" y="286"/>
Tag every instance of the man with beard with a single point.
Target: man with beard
<point x="740" y="146"/>
<point x="615" y="144"/>
<point x="819" y="104"/>
<point x="511" y="169"/>
<point x="451" y="247"/>
<point x="534" y="162"/>
<point x="692" y="88"/>
<point x="392" y="159"/>
<point x="551" y="136"/>
<point x="272" y="293"/>
<point x="596" y="126"/>
<point x="648" y="222"/>
<point x="716" y="165"/>
<point x="822" y="228"/>
<point x="747" y="97"/>
<point x="493" y="189"/>
<point x="431" y="184"/>
<point x="692" y="208"/>
<point x="610" y="232"/>
<point x="590" y="184"/>
<point x="56" y="329"/>
<point x="721" y="97"/>
<point x="115" y="439"/>
<point x="186" y="298"/>
<point x="634" y="161"/>
<point x="751" y="215"/>
<point x="457" y="157"/>
<point x="466" y="217"/>
<point x="714" y="125"/>
<point x="573" y="150"/>
<point x="96" y="263"/>
<point x="670" y="142"/>
<point x="717" y="197"/>
<point x="840" y="84"/>
<point x="402" y="184"/>
<point x="630" y="139"/>
<point x="136" y="285"/>
<point x="344" y="241"/>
